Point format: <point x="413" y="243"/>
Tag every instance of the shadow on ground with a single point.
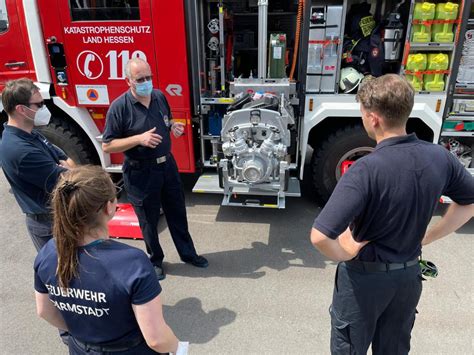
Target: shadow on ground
<point x="191" y="323"/>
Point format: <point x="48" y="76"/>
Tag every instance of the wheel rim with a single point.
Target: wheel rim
<point x="353" y="155"/>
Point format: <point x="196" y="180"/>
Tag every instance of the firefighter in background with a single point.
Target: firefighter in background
<point x="375" y="223"/>
<point x="139" y="124"/>
<point x="30" y="163"/>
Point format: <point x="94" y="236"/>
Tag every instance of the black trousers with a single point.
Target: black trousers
<point x="150" y="186"/>
<point x="374" y="307"/>
<point x="40" y="231"/>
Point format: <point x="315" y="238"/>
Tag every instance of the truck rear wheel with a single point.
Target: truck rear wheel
<point x="70" y="139"/>
<point x="348" y="143"/>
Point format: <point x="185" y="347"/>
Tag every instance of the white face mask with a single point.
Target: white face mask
<point x="42" y="116"/>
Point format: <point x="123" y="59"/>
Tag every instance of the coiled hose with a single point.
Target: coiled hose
<point x="299" y="16"/>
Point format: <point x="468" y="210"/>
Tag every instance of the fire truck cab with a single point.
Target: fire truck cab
<point x="79" y="54"/>
<point x="256" y="82"/>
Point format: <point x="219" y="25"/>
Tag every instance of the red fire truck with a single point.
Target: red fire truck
<point x="256" y="82"/>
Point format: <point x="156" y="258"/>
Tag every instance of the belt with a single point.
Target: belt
<point x="161" y="159"/>
<point x="142" y="162"/>
<point x="379" y="267"/>
<point x="112" y="347"/>
<point x="40" y="217"/>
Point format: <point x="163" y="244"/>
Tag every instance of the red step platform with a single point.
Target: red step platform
<point x="125" y="223"/>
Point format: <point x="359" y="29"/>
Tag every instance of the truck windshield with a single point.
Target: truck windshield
<point x="104" y="10"/>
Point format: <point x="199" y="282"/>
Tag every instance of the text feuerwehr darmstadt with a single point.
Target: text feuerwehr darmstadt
<point x="72" y="294"/>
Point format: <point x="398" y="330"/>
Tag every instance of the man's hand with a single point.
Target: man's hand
<point x="342" y="248"/>
<point x="64" y="164"/>
<point x="71" y="163"/>
<point x="177" y="128"/>
<point x="150" y="139"/>
<point x="456" y="216"/>
<point x="347" y="242"/>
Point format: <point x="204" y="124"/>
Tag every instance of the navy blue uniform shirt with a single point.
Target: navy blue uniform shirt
<point x="389" y="196"/>
<point x="128" y="117"/>
<point x="30" y="164"/>
<point x="97" y="305"/>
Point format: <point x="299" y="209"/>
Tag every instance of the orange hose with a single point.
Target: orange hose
<point x="458" y="29"/>
<point x="297" y="37"/>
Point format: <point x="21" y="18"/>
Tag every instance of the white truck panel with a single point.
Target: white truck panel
<point x="335" y="106"/>
<point x="35" y="35"/>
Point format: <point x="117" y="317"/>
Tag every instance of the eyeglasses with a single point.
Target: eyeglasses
<point x="143" y="79"/>
<point x="38" y="104"/>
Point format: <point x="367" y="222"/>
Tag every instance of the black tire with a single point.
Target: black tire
<point x="348" y="143"/>
<point x="70" y="139"/>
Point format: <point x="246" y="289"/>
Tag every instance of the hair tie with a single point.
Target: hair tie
<point x="69" y="187"/>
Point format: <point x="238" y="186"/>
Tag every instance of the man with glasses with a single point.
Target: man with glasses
<point x="30" y="163"/>
<point x="139" y="124"/>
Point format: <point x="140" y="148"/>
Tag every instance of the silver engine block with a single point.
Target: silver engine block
<point x="255" y="142"/>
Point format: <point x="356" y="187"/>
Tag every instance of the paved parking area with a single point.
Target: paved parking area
<point x="266" y="291"/>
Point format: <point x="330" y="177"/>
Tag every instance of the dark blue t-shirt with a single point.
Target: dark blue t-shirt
<point x="389" y="196"/>
<point x="97" y="305"/>
<point x="30" y="164"/>
<point x="128" y="117"/>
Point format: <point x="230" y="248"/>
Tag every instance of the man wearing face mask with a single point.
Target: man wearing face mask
<point x="30" y="163"/>
<point x="138" y="124"/>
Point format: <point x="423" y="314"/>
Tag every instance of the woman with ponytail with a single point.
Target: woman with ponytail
<point x="105" y="293"/>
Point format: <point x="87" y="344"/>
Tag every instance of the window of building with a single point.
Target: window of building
<point x="3" y="16"/>
<point x="104" y="10"/>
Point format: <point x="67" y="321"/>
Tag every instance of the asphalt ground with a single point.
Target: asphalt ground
<point x="266" y="290"/>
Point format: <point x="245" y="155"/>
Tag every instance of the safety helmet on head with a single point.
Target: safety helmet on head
<point x="350" y="79"/>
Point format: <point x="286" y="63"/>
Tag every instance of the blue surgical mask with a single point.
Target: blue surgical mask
<point x="144" y="89"/>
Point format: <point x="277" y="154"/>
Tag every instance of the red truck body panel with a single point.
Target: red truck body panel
<point x="96" y="53"/>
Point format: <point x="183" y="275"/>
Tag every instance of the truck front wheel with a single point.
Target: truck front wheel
<point x="70" y="139"/>
<point x="348" y="143"/>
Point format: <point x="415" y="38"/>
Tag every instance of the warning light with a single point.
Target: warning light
<point x="438" y="105"/>
<point x="97" y="113"/>
<point x="311" y="102"/>
<point x="97" y="116"/>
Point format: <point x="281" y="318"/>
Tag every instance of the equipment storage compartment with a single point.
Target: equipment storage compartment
<point x="229" y="35"/>
<point x="374" y="37"/>
<point x="325" y="39"/>
<point x="433" y="28"/>
<point x="241" y="35"/>
<point x="248" y="103"/>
